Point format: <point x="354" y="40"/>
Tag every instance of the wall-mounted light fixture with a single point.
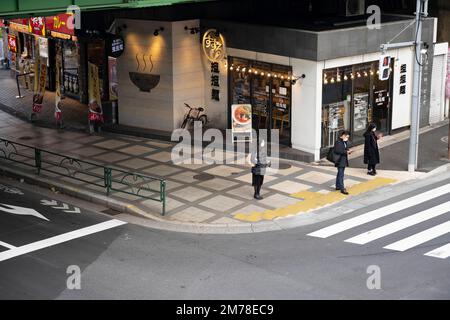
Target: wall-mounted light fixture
<point x="295" y="79"/>
<point x="157" y="31"/>
<point x="193" y="30"/>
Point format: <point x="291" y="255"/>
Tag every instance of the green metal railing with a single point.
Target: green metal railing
<point x="108" y="178"/>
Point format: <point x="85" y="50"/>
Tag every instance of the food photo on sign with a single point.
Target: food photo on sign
<point x="241" y="118"/>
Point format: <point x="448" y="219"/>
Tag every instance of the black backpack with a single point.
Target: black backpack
<point x="332" y="157"/>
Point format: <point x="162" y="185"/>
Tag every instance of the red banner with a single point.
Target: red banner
<point x="60" y="23"/>
<point x="12" y="43"/>
<point x="36" y="25"/>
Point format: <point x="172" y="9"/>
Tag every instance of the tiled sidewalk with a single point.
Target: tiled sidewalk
<point x="74" y="113"/>
<point x="202" y="193"/>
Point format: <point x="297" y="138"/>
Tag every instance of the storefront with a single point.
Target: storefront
<point x="267" y="88"/>
<point x="66" y="45"/>
<point x="352" y="98"/>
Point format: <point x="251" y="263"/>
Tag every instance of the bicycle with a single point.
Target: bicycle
<point x="190" y="118"/>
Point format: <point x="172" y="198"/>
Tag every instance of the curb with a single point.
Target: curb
<point x="139" y="216"/>
<point x="135" y="215"/>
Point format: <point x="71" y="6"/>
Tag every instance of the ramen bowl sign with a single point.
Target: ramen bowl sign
<point x="214" y="45"/>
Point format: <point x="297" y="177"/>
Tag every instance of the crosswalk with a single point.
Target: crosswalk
<point x="393" y="228"/>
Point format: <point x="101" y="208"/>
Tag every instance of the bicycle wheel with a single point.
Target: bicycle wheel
<point x="183" y="125"/>
<point x="204" y="119"/>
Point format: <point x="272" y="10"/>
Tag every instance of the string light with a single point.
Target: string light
<point x="345" y="77"/>
<point x="365" y="74"/>
<point x="338" y="78"/>
<point x="358" y="74"/>
<point x="352" y="76"/>
<point x="254" y="71"/>
<point x="371" y="72"/>
<point x="332" y="80"/>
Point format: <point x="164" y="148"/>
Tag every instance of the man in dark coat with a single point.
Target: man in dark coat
<point x="371" y="152"/>
<point x="259" y="161"/>
<point x="341" y="149"/>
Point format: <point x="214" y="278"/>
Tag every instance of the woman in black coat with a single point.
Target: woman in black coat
<point x="371" y="152"/>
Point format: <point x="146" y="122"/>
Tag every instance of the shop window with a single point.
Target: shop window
<point x="267" y="87"/>
<point x="336" y="104"/>
<point x="353" y="96"/>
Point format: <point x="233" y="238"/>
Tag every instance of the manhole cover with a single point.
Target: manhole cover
<point x="25" y="138"/>
<point x="284" y="166"/>
<point x="203" y="177"/>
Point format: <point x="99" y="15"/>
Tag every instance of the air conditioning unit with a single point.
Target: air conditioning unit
<point x="355" y="8"/>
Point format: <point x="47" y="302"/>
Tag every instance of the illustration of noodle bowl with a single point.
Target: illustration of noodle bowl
<point x="144" y="81"/>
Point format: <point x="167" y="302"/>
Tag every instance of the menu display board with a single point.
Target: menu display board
<point x="241" y="119"/>
<point x="360" y="115"/>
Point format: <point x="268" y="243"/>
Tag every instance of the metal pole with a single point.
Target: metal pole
<point x="449" y="131"/>
<point x="415" y="111"/>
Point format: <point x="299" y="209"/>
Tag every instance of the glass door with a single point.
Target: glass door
<point x="381" y="104"/>
<point x="281" y="104"/>
<point x="361" y="94"/>
<point x="261" y="86"/>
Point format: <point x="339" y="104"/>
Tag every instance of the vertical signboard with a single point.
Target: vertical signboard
<point x="241" y="122"/>
<point x="95" y="103"/>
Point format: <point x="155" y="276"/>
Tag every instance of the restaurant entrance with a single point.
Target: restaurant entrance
<point x="267" y="87"/>
<point x="352" y="98"/>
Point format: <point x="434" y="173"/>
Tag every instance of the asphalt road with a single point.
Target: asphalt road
<point x="133" y="262"/>
<point x="432" y="153"/>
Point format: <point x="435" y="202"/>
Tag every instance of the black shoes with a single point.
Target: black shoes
<point x="258" y="197"/>
<point x="344" y="191"/>
<point x="371" y="173"/>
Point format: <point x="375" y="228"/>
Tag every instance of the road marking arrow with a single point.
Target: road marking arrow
<point x="75" y="210"/>
<point x="21" y="211"/>
<point x="64" y="207"/>
<point x="49" y="203"/>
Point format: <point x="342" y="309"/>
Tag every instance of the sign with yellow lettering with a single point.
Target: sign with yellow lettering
<point x="213" y="45"/>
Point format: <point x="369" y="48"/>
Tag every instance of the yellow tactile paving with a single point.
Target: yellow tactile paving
<point x="313" y="200"/>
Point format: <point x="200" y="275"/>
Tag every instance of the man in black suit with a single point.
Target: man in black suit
<point x="342" y="150"/>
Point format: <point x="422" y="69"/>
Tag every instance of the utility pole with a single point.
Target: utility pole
<point x="421" y="11"/>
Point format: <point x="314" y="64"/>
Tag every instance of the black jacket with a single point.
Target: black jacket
<point x="371" y="152"/>
<point x="341" y="150"/>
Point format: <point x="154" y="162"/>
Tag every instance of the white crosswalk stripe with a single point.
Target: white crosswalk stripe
<point x="427" y="214"/>
<point x="420" y="238"/>
<point x="401" y="224"/>
<point x="381" y="212"/>
<point x="442" y="252"/>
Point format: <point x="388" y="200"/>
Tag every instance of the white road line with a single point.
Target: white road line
<point x="420" y="238"/>
<point x="14" y="252"/>
<point x="441" y="253"/>
<point x="381" y="212"/>
<point x="401" y="224"/>
<point x="6" y="245"/>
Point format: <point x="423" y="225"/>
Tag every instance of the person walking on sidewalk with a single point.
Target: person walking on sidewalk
<point x="258" y="159"/>
<point x="342" y="150"/>
<point x="371" y="152"/>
